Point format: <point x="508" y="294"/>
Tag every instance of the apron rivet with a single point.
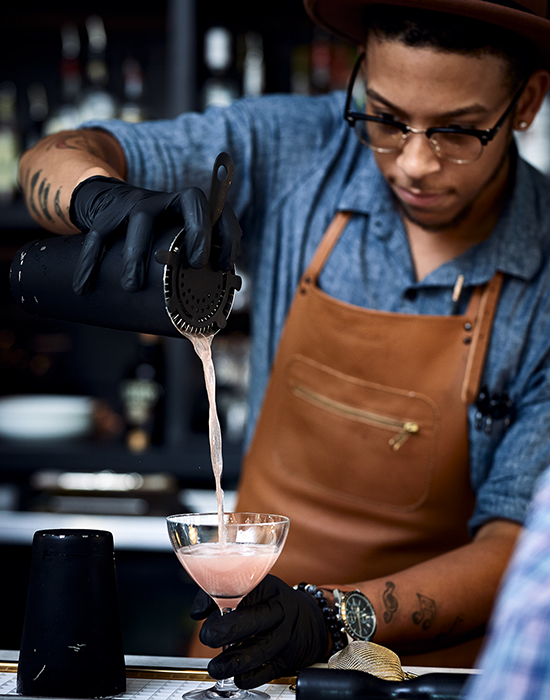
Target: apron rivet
<point x="467" y="340"/>
<point x="467" y="326"/>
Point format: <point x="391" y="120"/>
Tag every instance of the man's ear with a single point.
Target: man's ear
<point x="531" y="99"/>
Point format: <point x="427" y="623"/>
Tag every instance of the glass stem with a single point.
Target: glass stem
<point x="226" y="686"/>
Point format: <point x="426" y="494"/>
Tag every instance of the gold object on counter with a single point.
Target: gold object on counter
<point x="177" y="674"/>
<point x="372" y="658"/>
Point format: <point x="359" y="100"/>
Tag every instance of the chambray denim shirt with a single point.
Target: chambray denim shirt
<point x="296" y="164"/>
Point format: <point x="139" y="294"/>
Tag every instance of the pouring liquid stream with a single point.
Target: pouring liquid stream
<point x="203" y="348"/>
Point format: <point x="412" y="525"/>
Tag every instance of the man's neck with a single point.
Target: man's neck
<point x="432" y="248"/>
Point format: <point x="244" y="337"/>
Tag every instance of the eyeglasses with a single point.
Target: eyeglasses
<point x="452" y="143"/>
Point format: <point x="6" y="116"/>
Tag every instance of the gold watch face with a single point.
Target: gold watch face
<point x="358" y="616"/>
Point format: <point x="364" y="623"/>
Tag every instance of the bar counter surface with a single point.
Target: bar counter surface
<point x="148" y="677"/>
<point x="166" y="677"/>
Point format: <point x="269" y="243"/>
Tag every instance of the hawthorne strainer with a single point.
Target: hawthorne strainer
<point x="199" y="302"/>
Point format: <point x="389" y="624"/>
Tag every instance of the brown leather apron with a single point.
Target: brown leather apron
<point x="362" y="439"/>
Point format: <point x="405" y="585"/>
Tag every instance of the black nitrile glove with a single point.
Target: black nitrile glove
<point x="275" y="631"/>
<point x="105" y="208"/>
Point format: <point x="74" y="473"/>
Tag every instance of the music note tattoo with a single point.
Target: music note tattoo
<point x="390" y="602"/>
<point x="426" y="615"/>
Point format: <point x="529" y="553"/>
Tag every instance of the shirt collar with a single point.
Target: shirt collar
<point x="366" y="191"/>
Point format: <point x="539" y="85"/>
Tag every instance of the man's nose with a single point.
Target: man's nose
<point x="417" y="159"/>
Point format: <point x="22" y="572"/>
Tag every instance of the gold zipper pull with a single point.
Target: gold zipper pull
<point x="409" y="428"/>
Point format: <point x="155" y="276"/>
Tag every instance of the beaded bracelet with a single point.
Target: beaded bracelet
<point x="337" y="635"/>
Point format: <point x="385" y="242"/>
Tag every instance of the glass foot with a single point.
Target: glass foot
<point x="213" y="694"/>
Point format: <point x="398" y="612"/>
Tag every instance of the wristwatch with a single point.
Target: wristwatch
<point x="355" y="613"/>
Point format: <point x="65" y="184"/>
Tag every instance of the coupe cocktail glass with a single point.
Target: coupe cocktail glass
<point x="227" y="565"/>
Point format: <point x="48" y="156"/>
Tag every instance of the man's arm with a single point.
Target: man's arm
<point x="445" y="600"/>
<point x="49" y="172"/>
<point x="277" y="630"/>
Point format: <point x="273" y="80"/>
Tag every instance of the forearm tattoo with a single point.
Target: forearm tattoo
<point x="77" y="142"/>
<point x="427" y="613"/>
<point x="452" y="632"/>
<point x="39" y="196"/>
<point x="390" y="602"/>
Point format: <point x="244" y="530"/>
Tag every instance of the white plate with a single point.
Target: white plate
<point x="46" y="417"/>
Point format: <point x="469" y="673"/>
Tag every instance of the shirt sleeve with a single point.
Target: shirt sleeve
<point x="519" y="459"/>
<point x="508" y="461"/>
<point x="271" y="139"/>
<point x="516" y="659"/>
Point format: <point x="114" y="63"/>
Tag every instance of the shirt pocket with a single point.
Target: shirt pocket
<point x="370" y="445"/>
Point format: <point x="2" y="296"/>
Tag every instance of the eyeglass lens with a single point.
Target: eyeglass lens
<point x="386" y="138"/>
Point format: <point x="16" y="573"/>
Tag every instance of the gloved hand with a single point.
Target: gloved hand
<point x="274" y="631"/>
<point x="105" y="208"/>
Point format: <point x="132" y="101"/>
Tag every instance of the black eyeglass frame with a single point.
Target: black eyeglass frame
<point x="484" y="135"/>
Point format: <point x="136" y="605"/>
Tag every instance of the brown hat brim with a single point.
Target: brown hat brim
<point x="345" y="17"/>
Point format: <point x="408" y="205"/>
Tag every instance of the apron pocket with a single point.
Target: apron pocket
<point x="365" y="443"/>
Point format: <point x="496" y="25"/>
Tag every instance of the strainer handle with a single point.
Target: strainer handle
<point x="222" y="176"/>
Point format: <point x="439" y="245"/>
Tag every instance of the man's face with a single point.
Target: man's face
<point x="424" y="88"/>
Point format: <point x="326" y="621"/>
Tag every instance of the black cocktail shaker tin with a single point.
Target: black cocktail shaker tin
<point x="71" y="644"/>
<point x="176" y="299"/>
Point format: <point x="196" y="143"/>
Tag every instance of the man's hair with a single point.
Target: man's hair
<point x="454" y="33"/>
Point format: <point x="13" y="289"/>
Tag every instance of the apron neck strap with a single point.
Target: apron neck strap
<point x="480" y="337"/>
<point x="330" y="237"/>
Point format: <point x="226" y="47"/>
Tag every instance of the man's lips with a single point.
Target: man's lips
<point x="423" y="199"/>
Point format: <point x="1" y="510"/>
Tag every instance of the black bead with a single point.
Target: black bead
<point x="338" y="638"/>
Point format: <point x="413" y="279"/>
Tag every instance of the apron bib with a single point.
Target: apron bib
<point x="362" y="439"/>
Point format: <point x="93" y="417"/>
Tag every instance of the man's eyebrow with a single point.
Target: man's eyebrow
<point x="475" y="108"/>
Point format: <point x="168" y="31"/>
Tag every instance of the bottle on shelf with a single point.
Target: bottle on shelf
<point x="254" y="67"/>
<point x="231" y="355"/>
<point x="219" y="89"/>
<point x="320" y="62"/>
<point x="132" y="106"/>
<point x="67" y="115"/>
<point x="97" y="102"/>
<point x="9" y="142"/>
<point x="142" y="395"/>
<point x="300" y="70"/>
<point x="38" y="113"/>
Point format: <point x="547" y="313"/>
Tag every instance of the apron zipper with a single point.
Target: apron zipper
<point x="405" y="428"/>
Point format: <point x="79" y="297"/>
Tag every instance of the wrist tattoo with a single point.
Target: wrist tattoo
<point x="390" y="602"/>
<point x="427" y="613"/>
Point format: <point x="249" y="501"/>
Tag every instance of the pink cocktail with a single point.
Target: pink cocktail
<point x="228" y="571"/>
<point x="227" y="562"/>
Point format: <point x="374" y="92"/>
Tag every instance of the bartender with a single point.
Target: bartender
<point x="400" y="393"/>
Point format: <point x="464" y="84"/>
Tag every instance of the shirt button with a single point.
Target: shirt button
<point x="410" y="294"/>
